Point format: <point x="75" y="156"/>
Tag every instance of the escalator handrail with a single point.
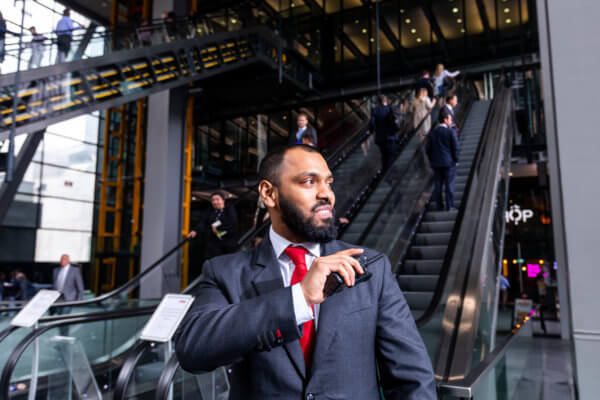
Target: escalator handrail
<point x="133" y="282"/>
<point x="166" y="378"/>
<point x="485" y="151"/>
<point x="22" y="346"/>
<point x="464" y="388"/>
<point x="128" y="368"/>
<point x="404" y="140"/>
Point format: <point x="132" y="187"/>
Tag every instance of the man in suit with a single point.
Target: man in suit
<point x="67" y="280"/>
<point x="442" y="150"/>
<point x="218" y="227"/>
<point x="303" y="128"/>
<point x="383" y="124"/>
<point x="451" y="103"/>
<point x="264" y="312"/>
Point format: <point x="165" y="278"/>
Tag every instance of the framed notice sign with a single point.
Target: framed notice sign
<point x="33" y="311"/>
<point x="167" y="317"/>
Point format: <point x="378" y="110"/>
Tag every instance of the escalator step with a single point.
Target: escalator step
<point x="422" y="267"/>
<point x="427" y="252"/>
<point x="418" y="300"/>
<point x="432" y="216"/>
<point x="432" y="239"/>
<point x="418" y="283"/>
<point x="436" y="227"/>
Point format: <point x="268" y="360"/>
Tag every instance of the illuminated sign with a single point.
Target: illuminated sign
<point x="533" y="270"/>
<point x="516" y="215"/>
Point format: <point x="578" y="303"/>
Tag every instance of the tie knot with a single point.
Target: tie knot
<point x="297" y="255"/>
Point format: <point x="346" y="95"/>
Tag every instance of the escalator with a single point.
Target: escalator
<point x="458" y="325"/>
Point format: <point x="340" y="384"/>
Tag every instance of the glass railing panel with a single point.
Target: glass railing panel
<point x="145" y="376"/>
<point x="101" y="341"/>
<point x="212" y="385"/>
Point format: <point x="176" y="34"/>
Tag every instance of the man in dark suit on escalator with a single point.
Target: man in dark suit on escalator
<point x="267" y="313"/>
<point x="383" y="123"/>
<point x="442" y="149"/>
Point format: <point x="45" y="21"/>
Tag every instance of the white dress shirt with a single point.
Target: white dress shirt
<point x="62" y="277"/>
<point x="301" y="309"/>
<point x="299" y="136"/>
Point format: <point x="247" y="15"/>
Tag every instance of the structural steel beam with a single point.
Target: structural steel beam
<point x="435" y="27"/>
<point x="486" y="24"/>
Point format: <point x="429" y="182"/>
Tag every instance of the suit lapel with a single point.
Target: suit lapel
<point x="329" y="313"/>
<point x="268" y="278"/>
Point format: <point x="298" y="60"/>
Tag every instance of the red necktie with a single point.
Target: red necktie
<point x="307" y="341"/>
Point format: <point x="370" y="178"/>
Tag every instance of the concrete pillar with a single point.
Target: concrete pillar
<point x="568" y="34"/>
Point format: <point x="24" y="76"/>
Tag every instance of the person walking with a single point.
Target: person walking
<point x="64" y="35"/>
<point x="303" y="128"/>
<point x="37" y="48"/>
<point x="383" y="123"/>
<point x="442" y="149"/>
<point x="424" y="82"/>
<point x="421" y="111"/>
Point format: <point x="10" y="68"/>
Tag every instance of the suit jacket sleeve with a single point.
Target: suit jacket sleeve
<point x="454" y="147"/>
<point x="229" y="220"/>
<point x="78" y="284"/>
<point x="217" y="332"/>
<point x="404" y="365"/>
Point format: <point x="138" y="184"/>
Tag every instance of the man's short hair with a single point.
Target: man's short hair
<point x="450" y="96"/>
<point x="382" y="99"/>
<point x="302" y="114"/>
<point x="66" y="11"/>
<point x="221" y="195"/>
<point x="269" y="166"/>
<point x="444" y="112"/>
<point x="424" y="72"/>
<point x="310" y="136"/>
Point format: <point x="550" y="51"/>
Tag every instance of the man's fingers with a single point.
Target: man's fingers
<point x="344" y="271"/>
<point x="350" y="252"/>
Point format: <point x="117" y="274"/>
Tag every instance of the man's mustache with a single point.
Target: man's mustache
<point x="320" y="204"/>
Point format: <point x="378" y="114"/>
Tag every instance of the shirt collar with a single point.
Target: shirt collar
<point x="449" y="106"/>
<point x="444" y="125"/>
<point x="280" y="243"/>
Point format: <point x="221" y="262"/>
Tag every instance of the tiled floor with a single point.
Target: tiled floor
<point x="549" y="375"/>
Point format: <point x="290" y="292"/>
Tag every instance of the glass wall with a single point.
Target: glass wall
<point x="54" y="204"/>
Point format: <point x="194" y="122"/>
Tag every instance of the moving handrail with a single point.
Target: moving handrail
<point x="486" y="201"/>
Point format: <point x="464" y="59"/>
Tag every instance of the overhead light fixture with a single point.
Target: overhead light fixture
<point x="418" y="40"/>
<point x="455" y="10"/>
<point x="402" y="11"/>
<point x="308" y="44"/>
<point x="364" y="31"/>
<point x="356" y="21"/>
<point x="459" y="20"/>
<point x="508" y="20"/>
<point x="233" y="21"/>
<point x="506" y="10"/>
<point x="462" y="30"/>
<point x="372" y="40"/>
<point x="334" y="48"/>
<point x="413" y="30"/>
<point x="407" y="20"/>
<point x="284" y="117"/>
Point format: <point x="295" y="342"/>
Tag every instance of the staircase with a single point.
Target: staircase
<point x="420" y="272"/>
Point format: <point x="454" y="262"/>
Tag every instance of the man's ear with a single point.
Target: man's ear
<point x="268" y="193"/>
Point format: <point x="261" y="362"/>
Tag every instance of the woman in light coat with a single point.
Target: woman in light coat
<point x="439" y="76"/>
<point x="421" y="108"/>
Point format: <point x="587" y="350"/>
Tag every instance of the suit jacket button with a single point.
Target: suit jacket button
<point x="310" y="396"/>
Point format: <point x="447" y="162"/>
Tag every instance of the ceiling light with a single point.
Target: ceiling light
<point x="462" y="30"/>
<point x="356" y="21"/>
<point x="407" y="20"/>
<point x="308" y="44"/>
<point x="455" y="10"/>
<point x="508" y="20"/>
<point x="459" y="20"/>
<point x="418" y="40"/>
<point x="285" y="117"/>
<point x="506" y="10"/>
<point x="402" y="11"/>
<point x="413" y="30"/>
<point x="372" y="40"/>
<point x="334" y="48"/>
<point x="364" y="31"/>
<point x="233" y="21"/>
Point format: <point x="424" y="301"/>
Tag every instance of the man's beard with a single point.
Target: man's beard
<point x="304" y="227"/>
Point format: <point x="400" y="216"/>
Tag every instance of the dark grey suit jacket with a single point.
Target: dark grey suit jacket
<point x="73" y="287"/>
<point x="241" y="306"/>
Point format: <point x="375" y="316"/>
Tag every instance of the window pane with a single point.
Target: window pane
<point x="51" y="244"/>
<point x="66" y="214"/>
<point x="67" y="183"/>
<point x="69" y="153"/>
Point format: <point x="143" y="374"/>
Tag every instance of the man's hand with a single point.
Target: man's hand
<point x="214" y="229"/>
<point x="191" y="235"/>
<point x="343" y="263"/>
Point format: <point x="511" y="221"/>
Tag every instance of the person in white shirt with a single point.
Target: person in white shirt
<point x="37" y="48"/>
<point x="67" y="280"/>
<point x="438" y="78"/>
